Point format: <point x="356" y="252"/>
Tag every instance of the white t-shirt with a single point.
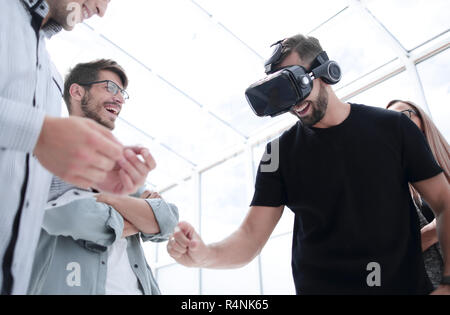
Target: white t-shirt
<point x="120" y="278"/>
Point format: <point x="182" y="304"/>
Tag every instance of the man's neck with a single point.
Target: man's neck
<point x="337" y="112"/>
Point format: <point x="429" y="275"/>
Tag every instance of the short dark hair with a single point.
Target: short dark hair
<point x="88" y="72"/>
<point x="307" y="47"/>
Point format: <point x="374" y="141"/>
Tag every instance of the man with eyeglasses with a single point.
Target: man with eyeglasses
<point x="97" y="89"/>
<point x="35" y="141"/>
<point x="90" y="243"/>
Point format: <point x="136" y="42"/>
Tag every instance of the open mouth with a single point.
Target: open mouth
<point x="113" y="109"/>
<point x="302" y="109"/>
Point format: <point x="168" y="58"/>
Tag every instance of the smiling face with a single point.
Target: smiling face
<point x="312" y="109"/>
<point x="68" y="13"/>
<point x="98" y="103"/>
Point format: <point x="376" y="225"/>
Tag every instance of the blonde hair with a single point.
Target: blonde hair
<point x="436" y="141"/>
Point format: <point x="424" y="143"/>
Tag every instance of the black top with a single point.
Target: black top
<point x="348" y="188"/>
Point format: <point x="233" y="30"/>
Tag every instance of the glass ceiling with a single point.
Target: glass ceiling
<point x="189" y="62"/>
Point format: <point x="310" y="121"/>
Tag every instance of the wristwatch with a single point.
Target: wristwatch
<point x="445" y="280"/>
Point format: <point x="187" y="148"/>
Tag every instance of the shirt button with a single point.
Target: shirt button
<point x="103" y="262"/>
<point x="135" y="266"/>
<point x="27" y="204"/>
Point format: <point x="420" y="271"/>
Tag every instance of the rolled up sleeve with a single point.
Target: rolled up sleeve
<point x="84" y="220"/>
<point x="166" y="215"/>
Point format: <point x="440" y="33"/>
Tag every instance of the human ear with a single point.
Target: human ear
<point x="77" y="92"/>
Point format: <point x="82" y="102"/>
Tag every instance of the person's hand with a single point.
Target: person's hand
<point x="128" y="229"/>
<point x="129" y="173"/>
<point x="147" y="194"/>
<point x="443" y="289"/>
<point x="186" y="246"/>
<point x="78" y="150"/>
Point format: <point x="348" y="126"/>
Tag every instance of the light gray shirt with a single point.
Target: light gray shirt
<point x="72" y="255"/>
<point x="30" y="89"/>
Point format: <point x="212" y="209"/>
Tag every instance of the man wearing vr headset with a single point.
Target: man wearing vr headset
<point x="343" y="169"/>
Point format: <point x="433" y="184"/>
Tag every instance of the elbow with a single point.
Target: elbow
<point x="163" y="221"/>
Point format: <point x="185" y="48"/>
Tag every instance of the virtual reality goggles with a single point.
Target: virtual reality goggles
<point x="281" y="90"/>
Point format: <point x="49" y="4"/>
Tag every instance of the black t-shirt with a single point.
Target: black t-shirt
<point x="348" y="188"/>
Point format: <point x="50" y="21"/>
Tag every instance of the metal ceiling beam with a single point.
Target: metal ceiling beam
<point x="228" y="30"/>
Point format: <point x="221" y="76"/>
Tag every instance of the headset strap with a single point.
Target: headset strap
<point x="319" y="60"/>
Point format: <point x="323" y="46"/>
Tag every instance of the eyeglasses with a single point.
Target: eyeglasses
<point x="112" y="88"/>
<point x="409" y="112"/>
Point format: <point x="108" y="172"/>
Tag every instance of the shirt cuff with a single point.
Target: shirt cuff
<point x="166" y="215"/>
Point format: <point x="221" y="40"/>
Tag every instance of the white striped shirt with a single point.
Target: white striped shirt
<point x="30" y="89"/>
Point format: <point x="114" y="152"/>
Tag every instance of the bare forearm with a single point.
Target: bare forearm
<point x="235" y="251"/>
<point x="247" y="241"/>
<point x="187" y="247"/>
<point x="135" y="210"/>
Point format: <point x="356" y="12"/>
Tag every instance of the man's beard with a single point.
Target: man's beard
<point x="319" y="108"/>
<point x="89" y="113"/>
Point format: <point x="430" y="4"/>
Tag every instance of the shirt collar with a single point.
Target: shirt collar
<point x="39" y="9"/>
